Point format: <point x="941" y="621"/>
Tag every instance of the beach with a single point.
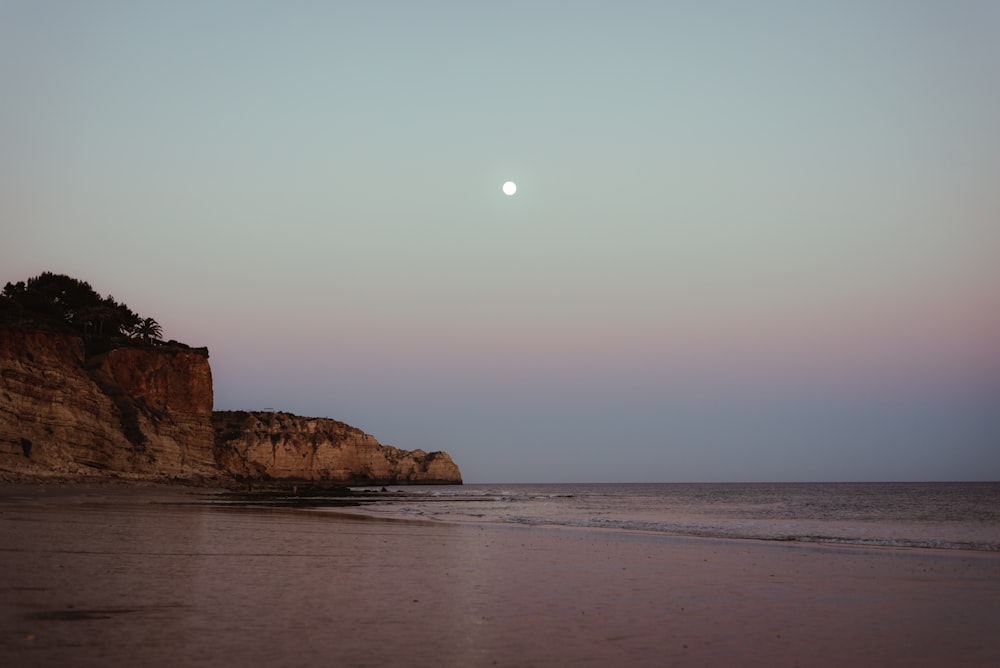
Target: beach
<point x="116" y="576"/>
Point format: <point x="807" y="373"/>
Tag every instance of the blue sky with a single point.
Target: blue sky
<point x="751" y="241"/>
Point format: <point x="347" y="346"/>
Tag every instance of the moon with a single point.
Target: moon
<point x="509" y="188"/>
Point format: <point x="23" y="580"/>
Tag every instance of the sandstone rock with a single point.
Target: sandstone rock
<point x="142" y="413"/>
<point x="282" y="446"/>
<point x="146" y="413"/>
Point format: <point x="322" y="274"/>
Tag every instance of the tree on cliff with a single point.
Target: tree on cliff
<point x="57" y="300"/>
<point x="54" y="296"/>
<point x="148" y="330"/>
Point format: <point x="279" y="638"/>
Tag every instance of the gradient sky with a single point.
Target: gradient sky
<point x="751" y="241"/>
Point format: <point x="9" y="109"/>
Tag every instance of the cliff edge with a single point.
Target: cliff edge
<point x="133" y="412"/>
<point x="282" y="446"/>
<point x="146" y="413"/>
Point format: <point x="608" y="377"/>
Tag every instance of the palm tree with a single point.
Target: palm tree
<point x="149" y="330"/>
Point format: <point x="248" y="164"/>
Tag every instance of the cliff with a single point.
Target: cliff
<point x="146" y="413"/>
<point x="262" y="446"/>
<point x="136" y="413"/>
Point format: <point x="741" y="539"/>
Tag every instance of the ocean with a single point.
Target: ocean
<point x="940" y="515"/>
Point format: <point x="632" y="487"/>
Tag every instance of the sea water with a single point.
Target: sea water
<point x="957" y="515"/>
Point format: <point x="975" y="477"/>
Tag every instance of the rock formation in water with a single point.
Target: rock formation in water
<point x="274" y="445"/>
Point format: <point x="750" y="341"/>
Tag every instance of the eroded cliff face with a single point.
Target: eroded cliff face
<point x="139" y="413"/>
<point x="277" y="446"/>
<point x="146" y="413"/>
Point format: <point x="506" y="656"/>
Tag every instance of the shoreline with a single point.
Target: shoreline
<point x="611" y="531"/>
<point x="94" y="575"/>
<point x="540" y="511"/>
<point x="360" y="501"/>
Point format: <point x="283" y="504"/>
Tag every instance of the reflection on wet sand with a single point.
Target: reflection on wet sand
<point x="164" y="578"/>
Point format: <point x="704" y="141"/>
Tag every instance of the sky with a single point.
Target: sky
<point x="750" y="241"/>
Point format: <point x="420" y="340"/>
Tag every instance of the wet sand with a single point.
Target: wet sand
<point x="96" y="577"/>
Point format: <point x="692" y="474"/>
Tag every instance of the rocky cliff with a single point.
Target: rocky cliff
<point x="264" y="445"/>
<point x="146" y="413"/>
<point x="141" y="413"/>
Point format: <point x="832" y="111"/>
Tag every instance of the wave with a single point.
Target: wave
<point x="953" y="516"/>
<point x="740" y="533"/>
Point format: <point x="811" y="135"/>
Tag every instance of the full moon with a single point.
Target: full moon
<point x="509" y="188"/>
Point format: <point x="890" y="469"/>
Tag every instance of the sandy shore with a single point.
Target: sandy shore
<point x="159" y="578"/>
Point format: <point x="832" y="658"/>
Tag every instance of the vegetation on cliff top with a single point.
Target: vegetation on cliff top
<point x="61" y="303"/>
